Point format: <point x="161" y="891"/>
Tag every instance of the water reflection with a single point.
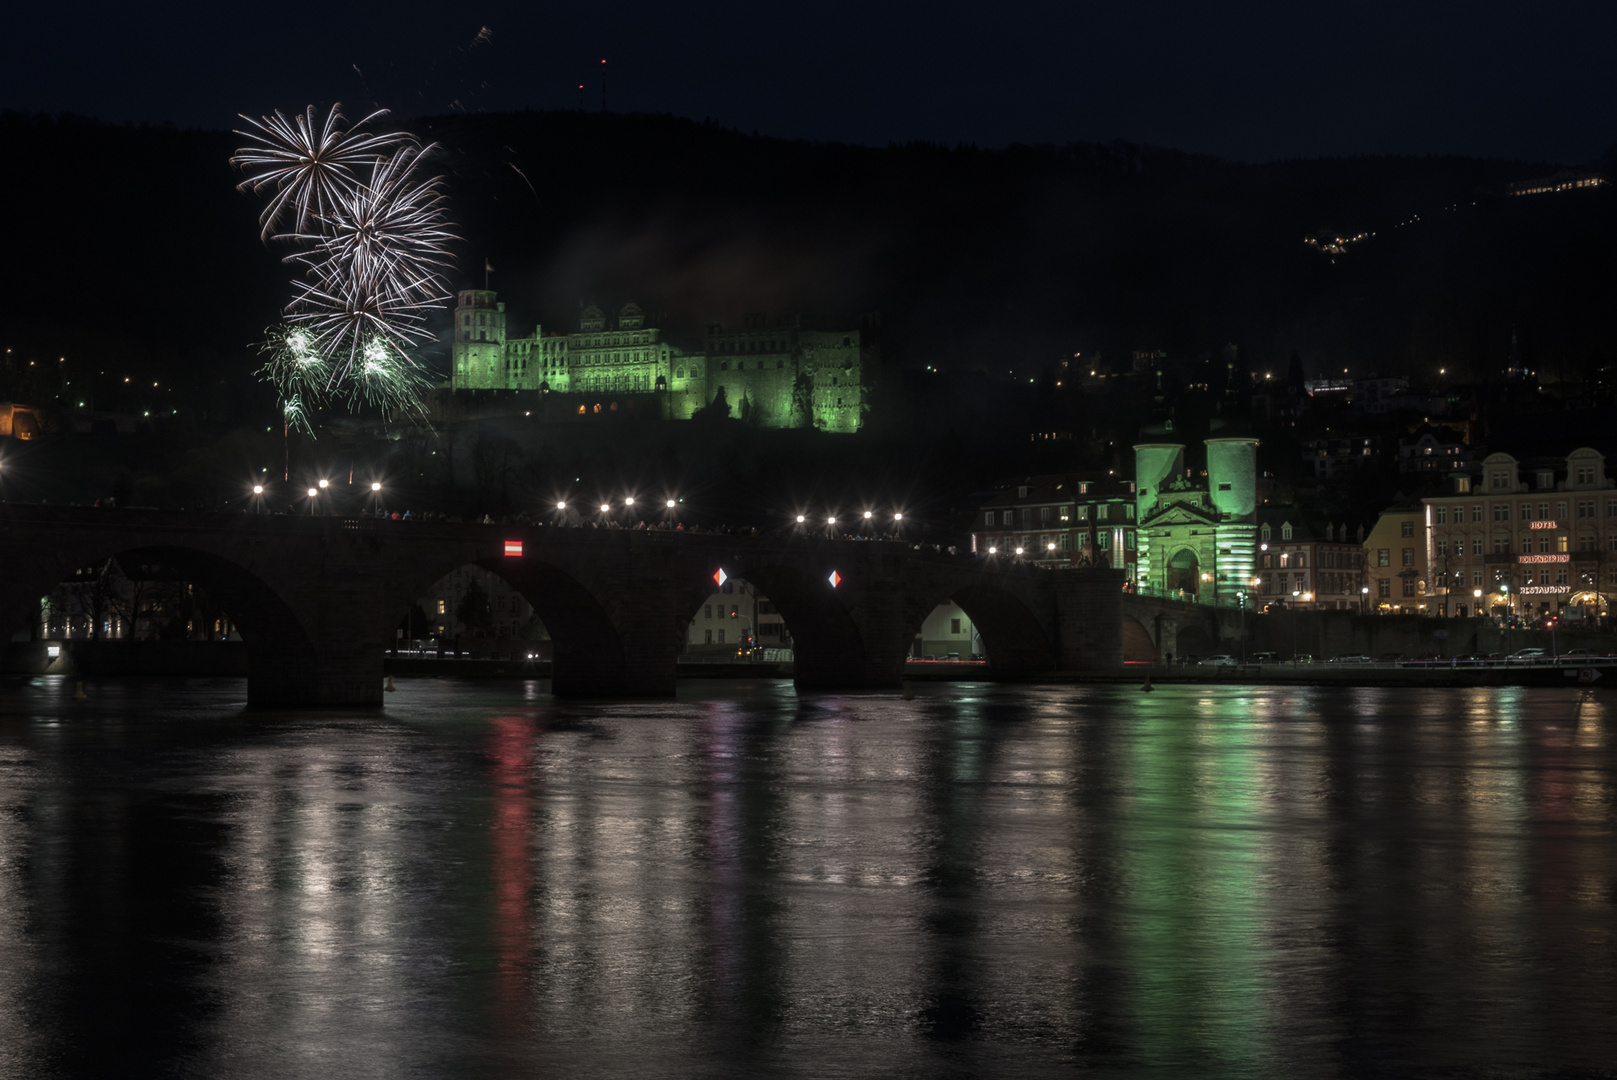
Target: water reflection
<point x="1232" y="881"/>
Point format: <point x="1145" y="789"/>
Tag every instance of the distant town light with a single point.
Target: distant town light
<point x="376" y="485"/>
<point x="1019" y="551"/>
<point x="313" y="493"/>
<point x="1051" y="546"/>
<point x="606" y="508"/>
<point x="324" y="484"/>
<point x="831" y="520"/>
<point x="628" y="501"/>
<point x="800" y="519"/>
<point x="258" y="489"/>
<point x="867" y="515"/>
<point x="561" y="504"/>
<point x="898" y="516"/>
<point x="670" y="504"/>
<point x="992" y="550"/>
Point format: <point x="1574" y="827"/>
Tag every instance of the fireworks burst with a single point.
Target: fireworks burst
<point x="307" y="163"/>
<point x="368" y="225"/>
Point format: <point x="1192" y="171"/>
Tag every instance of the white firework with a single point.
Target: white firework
<point x="390" y="233"/>
<point x="370" y="229"/>
<point x="307" y="163"/>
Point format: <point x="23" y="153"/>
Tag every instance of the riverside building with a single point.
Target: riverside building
<point x="1531" y="537"/>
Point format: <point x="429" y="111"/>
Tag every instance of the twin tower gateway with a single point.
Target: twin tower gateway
<point x="1197" y="535"/>
<point x="772" y="372"/>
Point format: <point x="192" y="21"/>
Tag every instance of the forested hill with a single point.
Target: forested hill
<point x="133" y="241"/>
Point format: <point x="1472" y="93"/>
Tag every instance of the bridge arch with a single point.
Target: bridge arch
<point x="590" y="637"/>
<point x="1138" y="644"/>
<point x="1014" y="638"/>
<point x="282" y="660"/>
<point x="826" y="639"/>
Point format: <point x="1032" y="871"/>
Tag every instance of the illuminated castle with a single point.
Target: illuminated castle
<point x="773" y="374"/>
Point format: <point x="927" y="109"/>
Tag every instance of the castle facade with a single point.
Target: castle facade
<point x="773" y="373"/>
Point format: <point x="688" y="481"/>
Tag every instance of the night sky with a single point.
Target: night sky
<point x="1245" y="80"/>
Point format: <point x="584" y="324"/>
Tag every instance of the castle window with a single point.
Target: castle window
<point x="1285" y="530"/>
<point x="1266" y="533"/>
<point x="724" y="365"/>
<point x="680" y="374"/>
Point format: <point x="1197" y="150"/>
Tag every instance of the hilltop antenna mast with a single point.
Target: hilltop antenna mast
<point x="603" y="85"/>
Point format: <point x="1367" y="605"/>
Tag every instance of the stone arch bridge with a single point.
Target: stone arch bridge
<point x="316" y="599"/>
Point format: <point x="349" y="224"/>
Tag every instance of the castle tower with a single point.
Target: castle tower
<point x="1232" y="476"/>
<point x="479" y="349"/>
<point x="1232" y="482"/>
<point x="1155" y="464"/>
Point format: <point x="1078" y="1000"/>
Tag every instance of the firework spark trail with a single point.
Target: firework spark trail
<point x="294" y="366"/>
<point x="307" y="163"/>
<point x="390" y="231"/>
<point x="368" y="225"/>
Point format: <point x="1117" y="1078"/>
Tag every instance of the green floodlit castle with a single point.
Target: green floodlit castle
<point x="1197" y="536"/>
<point x="773" y="373"/>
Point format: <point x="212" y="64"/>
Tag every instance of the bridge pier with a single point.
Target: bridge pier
<point x="284" y="675"/>
<point x="869" y="654"/>
<point x="1089" y="619"/>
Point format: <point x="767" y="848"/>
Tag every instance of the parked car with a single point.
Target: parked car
<point x="1351" y="658"/>
<point x="1303" y="658"/>
<point x="1524" y="655"/>
<point x="1221" y="660"/>
<point x="1389" y="658"/>
<point x="1264" y="658"/>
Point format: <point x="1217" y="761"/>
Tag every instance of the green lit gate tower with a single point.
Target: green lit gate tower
<point x="1232" y="481"/>
<point x="1197" y="538"/>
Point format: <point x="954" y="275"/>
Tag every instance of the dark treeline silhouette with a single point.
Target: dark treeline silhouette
<point x="133" y="239"/>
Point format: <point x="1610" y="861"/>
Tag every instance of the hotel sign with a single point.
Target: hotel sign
<point x="1543" y="524"/>
<point x="1543" y="558"/>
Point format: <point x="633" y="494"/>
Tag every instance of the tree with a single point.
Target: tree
<point x="415" y="624"/>
<point x="715" y="410"/>
<point x="473" y="612"/>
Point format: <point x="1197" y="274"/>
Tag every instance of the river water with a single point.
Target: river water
<point x="983" y="881"/>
